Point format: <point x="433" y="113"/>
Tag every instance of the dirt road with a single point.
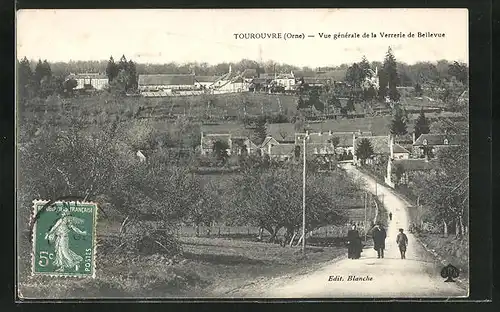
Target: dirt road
<point x="391" y="277"/>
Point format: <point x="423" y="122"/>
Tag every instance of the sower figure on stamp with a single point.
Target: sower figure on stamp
<point x="354" y="243"/>
<point x="379" y="236"/>
<point x="65" y="258"/>
<point x="402" y="241"/>
<point x="390" y="216"/>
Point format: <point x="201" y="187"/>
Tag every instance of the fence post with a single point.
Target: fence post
<point x="248" y="231"/>
<point x="219" y="231"/>
<point x="326" y="231"/>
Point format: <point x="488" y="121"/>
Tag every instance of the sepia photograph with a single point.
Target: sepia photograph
<point x="242" y="153"/>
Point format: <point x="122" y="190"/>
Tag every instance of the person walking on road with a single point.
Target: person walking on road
<point x="379" y="235"/>
<point x="390" y="216"/>
<point x="354" y="243"/>
<point x="402" y="241"/>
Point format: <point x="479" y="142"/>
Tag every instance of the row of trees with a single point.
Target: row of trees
<point x="122" y="76"/>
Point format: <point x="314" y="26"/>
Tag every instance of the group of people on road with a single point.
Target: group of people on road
<point x="379" y="235"/>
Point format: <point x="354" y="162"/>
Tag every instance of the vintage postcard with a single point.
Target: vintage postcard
<point x="263" y="153"/>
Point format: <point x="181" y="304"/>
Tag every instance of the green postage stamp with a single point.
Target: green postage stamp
<point x="64" y="239"/>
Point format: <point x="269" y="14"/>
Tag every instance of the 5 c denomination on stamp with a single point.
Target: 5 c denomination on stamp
<point x="64" y="239"/>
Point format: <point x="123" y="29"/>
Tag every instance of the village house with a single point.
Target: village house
<point x="232" y="82"/>
<point x="401" y="171"/>
<point x="345" y="143"/>
<point x="266" y="144"/>
<point x="281" y="152"/>
<point x="205" y="81"/>
<point x="243" y="145"/>
<point x="237" y="145"/>
<point x="286" y="81"/>
<point x="380" y="145"/>
<point x="208" y="141"/>
<point x="166" y="82"/>
<point x="427" y="145"/>
<point x="89" y="81"/>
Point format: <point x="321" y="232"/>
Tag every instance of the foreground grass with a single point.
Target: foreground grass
<point x="208" y="266"/>
<point x="451" y="249"/>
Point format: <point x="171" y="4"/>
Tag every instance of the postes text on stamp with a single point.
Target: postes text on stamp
<point x="64" y="238"/>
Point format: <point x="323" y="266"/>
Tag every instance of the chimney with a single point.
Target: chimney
<point x="391" y="146"/>
<point x="413" y="137"/>
<point x="201" y="143"/>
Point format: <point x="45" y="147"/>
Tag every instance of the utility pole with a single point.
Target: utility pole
<point x="304" y="199"/>
<point x="365" y="214"/>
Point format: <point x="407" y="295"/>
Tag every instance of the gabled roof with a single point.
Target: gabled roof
<point x="319" y="148"/>
<point x="399" y="149"/>
<point x="380" y="144"/>
<point x="268" y="140"/>
<point x="416" y="164"/>
<point x="282" y="149"/>
<point x="438" y="139"/>
<point x="206" y="78"/>
<point x="345" y="138"/>
<point x="166" y="79"/>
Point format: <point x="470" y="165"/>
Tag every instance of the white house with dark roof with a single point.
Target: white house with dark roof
<point x="90" y="81"/>
<point x="433" y="142"/>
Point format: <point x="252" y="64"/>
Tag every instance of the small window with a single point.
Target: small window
<point x="446" y="141"/>
<point x="425" y="141"/>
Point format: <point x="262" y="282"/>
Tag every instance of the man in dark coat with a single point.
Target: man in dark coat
<point x="354" y="241"/>
<point x="379" y="236"/>
<point x="402" y="241"/>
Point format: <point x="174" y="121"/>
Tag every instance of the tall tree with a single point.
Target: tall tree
<point x="383" y="83"/>
<point x="123" y="64"/>
<point x="39" y="72"/>
<point x="422" y="125"/>
<point x="398" y="124"/>
<point x="365" y="68"/>
<point x="460" y="71"/>
<point x="355" y="75"/>
<point x="24" y="79"/>
<point x="132" y="71"/>
<point x="111" y="69"/>
<point x="364" y="150"/>
<point x="391" y="72"/>
<point x="260" y="131"/>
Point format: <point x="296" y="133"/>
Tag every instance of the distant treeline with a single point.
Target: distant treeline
<point x="409" y="75"/>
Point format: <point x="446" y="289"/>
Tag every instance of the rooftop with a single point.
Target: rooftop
<point x="399" y="149"/>
<point x="416" y="164"/>
<point x="166" y="79"/>
<point x="380" y="144"/>
<point x="283" y="149"/>
<point x="439" y="139"/>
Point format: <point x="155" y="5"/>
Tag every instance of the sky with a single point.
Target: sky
<point x="207" y="35"/>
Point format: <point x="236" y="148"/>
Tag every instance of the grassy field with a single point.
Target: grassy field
<point x="208" y="266"/>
